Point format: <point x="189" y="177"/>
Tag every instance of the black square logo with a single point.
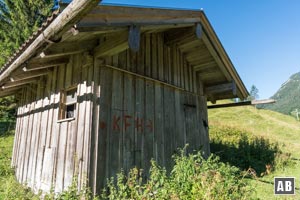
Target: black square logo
<point x="284" y="185"/>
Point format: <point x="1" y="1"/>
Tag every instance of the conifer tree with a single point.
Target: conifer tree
<point x="18" y="20"/>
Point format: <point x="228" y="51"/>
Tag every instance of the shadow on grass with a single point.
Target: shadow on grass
<point x="7" y="128"/>
<point x="245" y="153"/>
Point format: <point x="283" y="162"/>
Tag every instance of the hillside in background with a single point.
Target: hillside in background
<point x="287" y="97"/>
<point x="251" y="138"/>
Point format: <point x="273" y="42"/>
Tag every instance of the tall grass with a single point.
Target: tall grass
<point x="9" y="188"/>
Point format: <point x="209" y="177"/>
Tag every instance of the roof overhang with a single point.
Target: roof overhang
<point x="189" y="30"/>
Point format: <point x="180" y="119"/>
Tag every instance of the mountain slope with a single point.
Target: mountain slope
<point x="271" y="125"/>
<point x="287" y="97"/>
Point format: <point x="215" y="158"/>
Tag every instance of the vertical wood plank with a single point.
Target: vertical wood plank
<point x="139" y="120"/>
<point x="105" y="126"/>
<point x="72" y="132"/>
<point x="51" y="109"/>
<point x="94" y="158"/>
<point x="26" y="140"/>
<point x="148" y="134"/>
<point x="133" y="61"/>
<point x="148" y="55"/>
<point x="141" y="57"/>
<point x="122" y="59"/>
<point x="159" y="125"/>
<point x="192" y="129"/>
<point x="179" y="119"/>
<point x="62" y="139"/>
<point x="82" y="99"/>
<point x="128" y="119"/>
<point x="44" y="125"/>
<point x="191" y="83"/>
<point x="181" y="64"/>
<point x="186" y="75"/>
<point x="37" y="124"/>
<point x="87" y="147"/>
<point x="160" y="56"/>
<point x="166" y="63"/>
<point x="154" y="56"/>
<point x="17" y="137"/>
<point x="174" y="65"/>
<point x="43" y="130"/>
<point x="47" y="173"/>
<point x="18" y="132"/>
<point x="204" y="130"/>
<point x="169" y="130"/>
<point x="115" y="137"/>
<point x="19" y="153"/>
<point x="48" y="166"/>
<point x="34" y="137"/>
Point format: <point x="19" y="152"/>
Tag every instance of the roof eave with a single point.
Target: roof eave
<point x="242" y="91"/>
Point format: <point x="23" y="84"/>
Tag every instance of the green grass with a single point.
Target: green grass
<point x="270" y="126"/>
<point x="9" y="187"/>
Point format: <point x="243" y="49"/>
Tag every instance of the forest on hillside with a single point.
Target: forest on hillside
<point x="287" y="97"/>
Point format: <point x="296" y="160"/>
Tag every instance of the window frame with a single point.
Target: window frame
<point x="63" y="104"/>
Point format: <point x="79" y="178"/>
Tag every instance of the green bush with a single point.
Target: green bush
<point x="241" y="149"/>
<point x="192" y="177"/>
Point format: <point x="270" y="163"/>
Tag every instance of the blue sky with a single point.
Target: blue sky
<point x="262" y="37"/>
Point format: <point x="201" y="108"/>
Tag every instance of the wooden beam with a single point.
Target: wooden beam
<point x="112" y="45"/>
<point x="213" y="51"/>
<point x="134" y="38"/>
<point x="43" y="64"/>
<point x="150" y="79"/>
<point x="61" y="24"/>
<point x="263" y="101"/>
<point x="205" y="66"/>
<point x="18" y="83"/>
<point x="30" y="74"/>
<point x="243" y="103"/>
<point x="109" y="28"/>
<point x="184" y="35"/>
<point x="125" y="16"/>
<point x="222" y="88"/>
<point x="68" y="48"/>
<point x="180" y="36"/>
<point x="9" y="93"/>
<point x="198" y="30"/>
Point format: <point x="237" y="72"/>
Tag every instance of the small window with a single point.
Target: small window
<point x="67" y="107"/>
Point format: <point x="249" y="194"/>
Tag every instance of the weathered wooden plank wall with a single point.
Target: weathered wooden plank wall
<point x="48" y="153"/>
<point x="139" y="118"/>
<point x="122" y="119"/>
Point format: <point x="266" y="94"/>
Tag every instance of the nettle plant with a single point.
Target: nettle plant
<point x="192" y="177"/>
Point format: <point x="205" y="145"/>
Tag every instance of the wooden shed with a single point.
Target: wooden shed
<point x="102" y="88"/>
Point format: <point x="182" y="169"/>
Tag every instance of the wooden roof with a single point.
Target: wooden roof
<point x="190" y="30"/>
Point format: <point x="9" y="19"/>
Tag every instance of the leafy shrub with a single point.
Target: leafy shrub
<point x="242" y="150"/>
<point x="8" y="108"/>
<point x="71" y="193"/>
<point x="192" y="177"/>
